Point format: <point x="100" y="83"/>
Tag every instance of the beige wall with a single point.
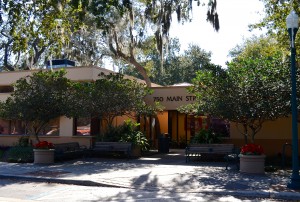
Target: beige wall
<point x="73" y="73"/>
<point x="65" y="126"/>
<point x="170" y="97"/>
<point x="10" y="140"/>
<point x="4" y="96"/>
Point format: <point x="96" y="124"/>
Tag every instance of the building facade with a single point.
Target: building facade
<point x="178" y="127"/>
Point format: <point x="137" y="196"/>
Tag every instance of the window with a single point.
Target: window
<point x="18" y="127"/>
<point x="220" y="126"/>
<point x="82" y="126"/>
<point x="6" y="89"/>
<point x="52" y="128"/>
<point x="4" y="127"/>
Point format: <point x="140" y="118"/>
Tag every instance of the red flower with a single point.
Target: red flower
<point x="252" y="149"/>
<point x="44" y="145"/>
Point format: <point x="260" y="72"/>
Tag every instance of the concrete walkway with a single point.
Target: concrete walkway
<point x="156" y="172"/>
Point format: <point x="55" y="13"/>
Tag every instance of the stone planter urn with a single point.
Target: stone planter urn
<point x="43" y="156"/>
<point x="253" y="164"/>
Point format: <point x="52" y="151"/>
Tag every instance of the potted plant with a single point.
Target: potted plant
<point x="137" y="138"/>
<point x="252" y="159"/>
<point x="43" y="152"/>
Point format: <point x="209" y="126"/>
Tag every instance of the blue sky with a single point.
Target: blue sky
<point x="234" y="15"/>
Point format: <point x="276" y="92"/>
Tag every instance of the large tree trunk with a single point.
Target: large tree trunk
<point x="128" y="58"/>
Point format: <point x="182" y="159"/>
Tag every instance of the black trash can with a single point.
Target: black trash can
<point x="163" y="144"/>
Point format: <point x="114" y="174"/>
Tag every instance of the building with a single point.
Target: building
<point x="179" y="127"/>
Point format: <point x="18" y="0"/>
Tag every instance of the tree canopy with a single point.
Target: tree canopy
<point x="111" y="96"/>
<point x="274" y="21"/>
<point x="38" y="99"/>
<point x="46" y="95"/>
<point x="35" y="31"/>
<point x="178" y="67"/>
<point x="254" y="89"/>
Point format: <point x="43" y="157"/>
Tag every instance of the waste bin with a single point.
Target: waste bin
<point x="163" y="143"/>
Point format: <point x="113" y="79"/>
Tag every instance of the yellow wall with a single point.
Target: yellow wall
<point x="163" y="120"/>
<point x="272" y="136"/>
<point x="279" y="129"/>
<point x="181" y="129"/>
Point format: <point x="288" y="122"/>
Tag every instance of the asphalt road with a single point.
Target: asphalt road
<point x="21" y="191"/>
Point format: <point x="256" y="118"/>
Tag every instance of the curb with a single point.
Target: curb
<point x="59" y="181"/>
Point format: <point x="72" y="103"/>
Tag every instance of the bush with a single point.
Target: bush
<point x="23" y="141"/>
<point x="206" y="137"/>
<point x="20" y="154"/>
<point x="3" y="150"/>
<point x="113" y="134"/>
<point x="129" y="133"/>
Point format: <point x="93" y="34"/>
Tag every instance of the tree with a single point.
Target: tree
<point x="128" y="34"/>
<point x="111" y="96"/>
<point x="274" y="20"/>
<point x="254" y="89"/>
<point x="38" y="99"/>
<point x="178" y="67"/>
<point x="33" y="31"/>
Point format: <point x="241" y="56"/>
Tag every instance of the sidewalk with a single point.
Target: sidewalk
<point x="157" y="172"/>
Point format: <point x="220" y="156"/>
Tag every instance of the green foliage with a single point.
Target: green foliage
<point x="206" y="137"/>
<point x="177" y="67"/>
<point x="20" y="154"/>
<point x="112" y="134"/>
<point x="39" y="98"/>
<point x="255" y="88"/>
<point x="274" y="20"/>
<point x="23" y="141"/>
<point x="57" y="23"/>
<point x="130" y="133"/>
<point x="111" y="96"/>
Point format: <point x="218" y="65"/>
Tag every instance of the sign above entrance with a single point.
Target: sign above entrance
<point x="174" y="98"/>
<point x="170" y="97"/>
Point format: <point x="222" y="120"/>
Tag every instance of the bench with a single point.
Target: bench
<point x="109" y="147"/>
<point x="228" y="150"/>
<point x="68" y="150"/>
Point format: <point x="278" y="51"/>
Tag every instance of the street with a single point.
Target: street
<point x="12" y="190"/>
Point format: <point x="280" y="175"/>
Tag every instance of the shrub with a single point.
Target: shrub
<point x="113" y="134"/>
<point x="129" y="133"/>
<point x="23" y="141"/>
<point x="20" y="154"/>
<point x="3" y="150"/>
<point x="206" y="137"/>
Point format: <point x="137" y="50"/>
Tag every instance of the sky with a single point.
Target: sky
<point x="234" y="17"/>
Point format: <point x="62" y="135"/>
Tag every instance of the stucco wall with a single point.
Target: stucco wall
<point x="279" y="129"/>
<point x="10" y="140"/>
<point x="170" y="97"/>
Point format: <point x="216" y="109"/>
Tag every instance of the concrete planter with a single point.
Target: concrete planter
<point x="43" y="156"/>
<point x="136" y="151"/>
<point x="253" y="164"/>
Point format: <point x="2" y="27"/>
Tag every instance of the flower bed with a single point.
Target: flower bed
<point x="252" y="149"/>
<point x="44" y="145"/>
